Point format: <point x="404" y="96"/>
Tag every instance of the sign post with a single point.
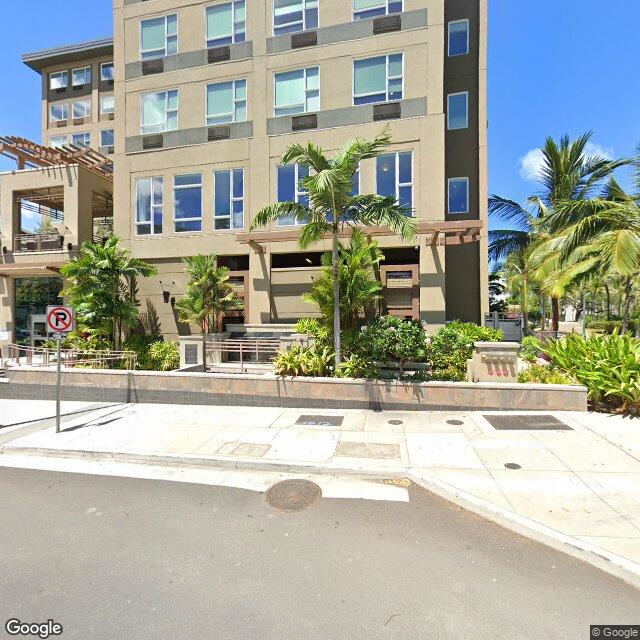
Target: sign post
<point x="60" y="321"/>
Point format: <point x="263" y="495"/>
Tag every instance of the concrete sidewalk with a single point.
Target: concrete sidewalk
<point x="574" y="489"/>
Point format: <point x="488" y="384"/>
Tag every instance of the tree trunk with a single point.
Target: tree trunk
<point x="335" y="263"/>
<point x="627" y="306"/>
<point x="523" y="306"/>
<point x="543" y="319"/>
<point x="555" y="314"/>
<point x="608" y="294"/>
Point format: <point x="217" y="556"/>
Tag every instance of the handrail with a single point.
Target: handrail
<point x="244" y="347"/>
<point x="20" y="355"/>
<point x="50" y="241"/>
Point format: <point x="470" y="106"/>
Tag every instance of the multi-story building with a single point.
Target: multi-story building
<point x="209" y="94"/>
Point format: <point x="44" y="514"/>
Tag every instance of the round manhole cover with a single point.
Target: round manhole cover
<point x="395" y="422"/>
<point x="293" y="495"/>
<point x="457" y="423"/>
<point x="512" y="465"/>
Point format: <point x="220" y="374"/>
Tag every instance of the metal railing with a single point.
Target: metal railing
<point x="31" y="242"/>
<point x="242" y="351"/>
<point x="15" y="355"/>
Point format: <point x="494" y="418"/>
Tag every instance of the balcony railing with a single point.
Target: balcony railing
<point x="32" y="242"/>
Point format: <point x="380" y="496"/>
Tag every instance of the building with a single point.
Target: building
<point x="207" y="96"/>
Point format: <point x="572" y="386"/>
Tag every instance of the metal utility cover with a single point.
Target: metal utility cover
<point x="320" y="421"/>
<point x="521" y="422"/>
<point x="293" y="495"/>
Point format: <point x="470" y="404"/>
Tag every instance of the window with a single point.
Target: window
<point x="229" y="199"/>
<point x="159" y="112"/>
<point x="58" y="112"/>
<point x="226" y="23"/>
<point x="363" y="9"/>
<point x="82" y="109"/>
<point x="58" y="80"/>
<point x="227" y="102"/>
<point x="297" y="91"/>
<point x="459" y="38"/>
<point x="81" y="139"/>
<point x="107" y="104"/>
<point x="377" y="79"/>
<point x="159" y="37"/>
<point x="107" y="138"/>
<point x="149" y="205"/>
<point x="458" y="195"/>
<point x="187" y="200"/>
<point x="394" y="176"/>
<point x="458" y="110"/>
<point x="56" y="142"/>
<point x="294" y="15"/>
<point x="289" y="190"/>
<point x="80" y="77"/>
<point x="107" y="72"/>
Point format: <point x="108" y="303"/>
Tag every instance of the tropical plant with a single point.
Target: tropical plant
<point x="164" y="355"/>
<point x="530" y="348"/>
<point x="358" y="285"/>
<point x="332" y="206"/>
<point x="542" y="374"/>
<point x="497" y="290"/>
<point x="356" y="366"/>
<point x="314" y="361"/>
<point x="208" y="295"/>
<point x="101" y="285"/>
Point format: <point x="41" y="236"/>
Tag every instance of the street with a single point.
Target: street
<point x="111" y="557"/>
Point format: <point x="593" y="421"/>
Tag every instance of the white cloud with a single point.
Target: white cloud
<point x="593" y="149"/>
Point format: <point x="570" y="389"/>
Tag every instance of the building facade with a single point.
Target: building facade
<point x="208" y="95"/>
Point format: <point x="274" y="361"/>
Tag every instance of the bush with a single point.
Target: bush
<point x="140" y="344"/>
<point x="356" y="366"/>
<point x="608" y="365"/>
<point x="610" y="326"/>
<point x="163" y="356"/>
<point x="530" y="348"/>
<point x="541" y="374"/>
<point x="451" y="347"/>
<point x="312" y="361"/>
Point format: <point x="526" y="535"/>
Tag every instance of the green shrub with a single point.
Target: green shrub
<point x="140" y="344"/>
<point x="609" y="326"/>
<point x="452" y="345"/>
<point x="163" y="356"/>
<point x="312" y="361"/>
<point x="356" y="366"/>
<point x="530" y="348"/>
<point x="541" y="374"/>
<point x="608" y="365"/>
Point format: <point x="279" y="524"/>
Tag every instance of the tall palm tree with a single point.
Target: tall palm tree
<point x="566" y="173"/>
<point x="101" y="285"/>
<point x="332" y="205"/>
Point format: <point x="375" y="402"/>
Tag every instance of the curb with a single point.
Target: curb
<point x="613" y="564"/>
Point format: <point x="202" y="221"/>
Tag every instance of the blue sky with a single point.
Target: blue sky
<point x="555" y="66"/>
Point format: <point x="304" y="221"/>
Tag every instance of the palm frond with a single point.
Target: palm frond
<point x="278" y="210"/>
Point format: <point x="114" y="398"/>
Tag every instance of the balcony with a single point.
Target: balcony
<point x="35" y="242"/>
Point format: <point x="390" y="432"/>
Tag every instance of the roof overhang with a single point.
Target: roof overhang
<point x="38" y="60"/>
<point x="27" y="269"/>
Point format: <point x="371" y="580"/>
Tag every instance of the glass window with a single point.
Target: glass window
<point x="107" y="71"/>
<point x="226" y="23"/>
<point x="32" y="296"/>
<point x="459" y="38"/>
<point x="227" y="102"/>
<point x="394" y="176"/>
<point x="56" y="142"/>
<point x="187" y="200"/>
<point x="377" y="79"/>
<point x="294" y="15"/>
<point x="81" y="139"/>
<point x="159" y="112"/>
<point x="59" y="80"/>
<point x="81" y="76"/>
<point x="82" y="109"/>
<point x="107" y="104"/>
<point x="58" y="112"/>
<point x="229" y="199"/>
<point x="149" y="206"/>
<point x="363" y="9"/>
<point x="459" y="195"/>
<point x="107" y="138"/>
<point x="297" y="91"/>
<point x="159" y="37"/>
<point x="289" y="189"/>
<point x="458" y="110"/>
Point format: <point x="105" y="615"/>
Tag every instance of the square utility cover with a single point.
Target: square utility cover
<point x="320" y="421"/>
<point x="521" y="422"/>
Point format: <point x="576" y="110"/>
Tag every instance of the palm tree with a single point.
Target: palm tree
<point x="358" y="284"/>
<point x="332" y="205"/>
<point x="101" y="283"/>
<point x="567" y="173"/>
<point x="209" y="294"/>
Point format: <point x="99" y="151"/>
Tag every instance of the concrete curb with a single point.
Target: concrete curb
<point x="611" y="563"/>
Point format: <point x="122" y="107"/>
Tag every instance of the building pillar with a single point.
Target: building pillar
<point x="259" y="290"/>
<point x="7" y="311"/>
<point x="432" y="284"/>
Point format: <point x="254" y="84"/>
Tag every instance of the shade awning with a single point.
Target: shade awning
<point x="26" y="269"/>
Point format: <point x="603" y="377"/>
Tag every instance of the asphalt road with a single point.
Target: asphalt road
<point x="125" y="559"/>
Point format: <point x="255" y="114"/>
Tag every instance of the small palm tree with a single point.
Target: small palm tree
<point x="101" y="283"/>
<point x="332" y="205"/>
<point x="209" y="294"/>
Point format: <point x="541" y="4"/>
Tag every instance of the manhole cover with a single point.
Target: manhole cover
<point x="520" y="422"/>
<point x="457" y="423"/>
<point x="512" y="465"/>
<point x="395" y="422"/>
<point x="293" y="495"/>
<point x="320" y="421"/>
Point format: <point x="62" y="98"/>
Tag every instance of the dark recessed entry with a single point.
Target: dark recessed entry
<point x="152" y="66"/>
<point x="521" y="422"/>
<point x="308" y="121"/>
<point x="320" y="421"/>
<point x="387" y="24"/>
<point x="387" y="111"/>
<point x="152" y="141"/>
<point x="218" y="54"/>
<point x="219" y="132"/>
<point x="304" y="39"/>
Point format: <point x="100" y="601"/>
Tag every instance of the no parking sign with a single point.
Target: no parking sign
<point x="60" y="319"/>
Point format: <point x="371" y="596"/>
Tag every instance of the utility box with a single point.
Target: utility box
<point x="192" y="349"/>
<point x="494" y="362"/>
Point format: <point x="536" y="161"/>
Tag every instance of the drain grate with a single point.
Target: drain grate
<point x="520" y="422"/>
<point x="455" y="423"/>
<point x="320" y="421"/>
<point x="293" y="495"/>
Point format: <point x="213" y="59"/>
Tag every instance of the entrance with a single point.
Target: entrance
<point x="32" y="296"/>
